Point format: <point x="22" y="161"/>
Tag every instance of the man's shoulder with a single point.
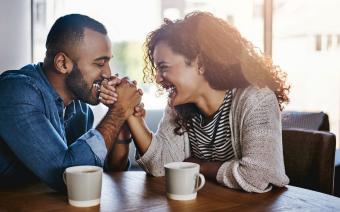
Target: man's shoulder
<point x="23" y="75"/>
<point x="17" y="84"/>
<point x="12" y="82"/>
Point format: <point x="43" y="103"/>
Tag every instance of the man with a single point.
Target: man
<point x="45" y="126"/>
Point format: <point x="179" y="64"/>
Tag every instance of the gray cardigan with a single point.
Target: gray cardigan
<point x="256" y="135"/>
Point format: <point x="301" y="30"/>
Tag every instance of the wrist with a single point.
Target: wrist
<point x="124" y="141"/>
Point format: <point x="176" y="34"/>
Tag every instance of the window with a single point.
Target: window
<point x="306" y="44"/>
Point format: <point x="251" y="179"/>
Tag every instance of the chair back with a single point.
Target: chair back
<point x="305" y="120"/>
<point x="309" y="159"/>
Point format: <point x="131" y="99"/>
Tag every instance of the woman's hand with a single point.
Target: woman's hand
<point x="208" y="168"/>
<point x="139" y="111"/>
<point x="194" y="160"/>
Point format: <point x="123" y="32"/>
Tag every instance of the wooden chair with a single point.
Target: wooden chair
<point x="309" y="158"/>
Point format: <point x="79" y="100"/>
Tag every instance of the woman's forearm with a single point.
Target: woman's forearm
<point x="140" y="133"/>
<point x="208" y="168"/>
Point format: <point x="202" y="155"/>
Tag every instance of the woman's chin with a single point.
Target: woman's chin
<point x="173" y="102"/>
<point x="170" y="102"/>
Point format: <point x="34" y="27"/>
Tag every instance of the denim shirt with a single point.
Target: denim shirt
<point x="37" y="138"/>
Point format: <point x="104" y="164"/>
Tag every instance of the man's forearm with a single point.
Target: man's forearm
<point x="118" y="157"/>
<point x="110" y="125"/>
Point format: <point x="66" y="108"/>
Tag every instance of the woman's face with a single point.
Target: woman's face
<point x="181" y="80"/>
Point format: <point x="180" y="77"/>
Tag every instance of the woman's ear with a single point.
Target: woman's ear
<point x="199" y="64"/>
<point x="201" y="70"/>
<point x="62" y="63"/>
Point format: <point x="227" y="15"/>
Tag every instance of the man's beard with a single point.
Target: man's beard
<point x="76" y="83"/>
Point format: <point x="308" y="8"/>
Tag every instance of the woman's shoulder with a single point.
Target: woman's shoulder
<point x="254" y="95"/>
<point x="252" y="91"/>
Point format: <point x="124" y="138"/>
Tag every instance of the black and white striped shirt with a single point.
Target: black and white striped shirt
<point x="211" y="139"/>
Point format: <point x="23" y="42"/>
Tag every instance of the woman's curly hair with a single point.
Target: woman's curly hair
<point x="229" y="60"/>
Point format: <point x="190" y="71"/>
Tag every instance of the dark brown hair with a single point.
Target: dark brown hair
<point x="66" y="32"/>
<point x="229" y="60"/>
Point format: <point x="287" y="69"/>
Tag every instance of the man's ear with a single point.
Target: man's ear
<point x="62" y="63"/>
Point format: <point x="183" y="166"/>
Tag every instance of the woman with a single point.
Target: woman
<point x="224" y="105"/>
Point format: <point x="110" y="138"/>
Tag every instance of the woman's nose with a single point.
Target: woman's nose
<point x="159" y="77"/>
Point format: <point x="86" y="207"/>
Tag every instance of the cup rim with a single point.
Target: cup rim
<point x="79" y="169"/>
<point x="174" y="165"/>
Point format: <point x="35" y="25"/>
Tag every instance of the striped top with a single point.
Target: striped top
<point x="210" y="139"/>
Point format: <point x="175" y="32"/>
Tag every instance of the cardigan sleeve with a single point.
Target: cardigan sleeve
<point x="165" y="147"/>
<point x="261" y="162"/>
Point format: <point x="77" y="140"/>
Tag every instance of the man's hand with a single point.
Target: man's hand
<point x="108" y="94"/>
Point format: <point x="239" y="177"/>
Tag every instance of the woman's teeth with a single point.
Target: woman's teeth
<point x="170" y="89"/>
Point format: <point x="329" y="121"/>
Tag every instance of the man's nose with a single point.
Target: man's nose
<point x="107" y="71"/>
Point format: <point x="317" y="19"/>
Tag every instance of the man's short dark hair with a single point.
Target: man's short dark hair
<point x="68" y="30"/>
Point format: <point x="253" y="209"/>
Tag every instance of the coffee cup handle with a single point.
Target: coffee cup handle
<point x="202" y="181"/>
<point x="64" y="177"/>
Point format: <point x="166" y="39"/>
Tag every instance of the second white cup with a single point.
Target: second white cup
<point x="183" y="180"/>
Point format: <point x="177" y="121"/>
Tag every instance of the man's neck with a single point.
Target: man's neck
<point x="58" y="82"/>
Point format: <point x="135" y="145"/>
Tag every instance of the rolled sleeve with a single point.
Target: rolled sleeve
<point x="97" y="144"/>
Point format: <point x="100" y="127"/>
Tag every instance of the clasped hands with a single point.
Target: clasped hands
<point x="122" y="93"/>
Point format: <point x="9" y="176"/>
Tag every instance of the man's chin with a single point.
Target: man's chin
<point x="93" y="102"/>
<point x="90" y="100"/>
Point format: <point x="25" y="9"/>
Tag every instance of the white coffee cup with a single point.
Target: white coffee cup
<point x="84" y="184"/>
<point x="183" y="180"/>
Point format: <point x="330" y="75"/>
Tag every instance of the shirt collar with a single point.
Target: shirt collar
<point x="70" y="111"/>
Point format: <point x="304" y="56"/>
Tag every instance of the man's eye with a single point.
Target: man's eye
<point x="100" y="65"/>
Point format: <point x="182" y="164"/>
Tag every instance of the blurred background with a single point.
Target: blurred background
<point x="302" y="37"/>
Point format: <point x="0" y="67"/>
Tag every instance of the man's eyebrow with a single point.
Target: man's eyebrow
<point x="103" y="58"/>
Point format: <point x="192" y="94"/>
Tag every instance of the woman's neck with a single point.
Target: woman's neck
<point x="210" y="100"/>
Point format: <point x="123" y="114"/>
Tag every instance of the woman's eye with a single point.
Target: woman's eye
<point x="162" y="68"/>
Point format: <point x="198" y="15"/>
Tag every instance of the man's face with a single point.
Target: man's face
<point x="81" y="90"/>
<point x="90" y="66"/>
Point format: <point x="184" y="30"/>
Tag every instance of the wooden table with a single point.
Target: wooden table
<point x="135" y="191"/>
